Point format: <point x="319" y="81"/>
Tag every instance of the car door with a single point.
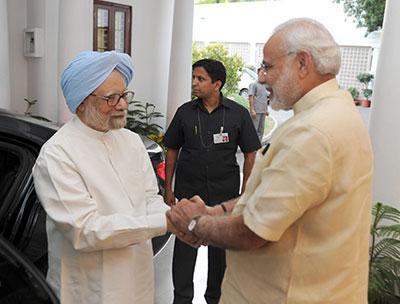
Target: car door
<point x="22" y="220"/>
<point x="20" y="281"/>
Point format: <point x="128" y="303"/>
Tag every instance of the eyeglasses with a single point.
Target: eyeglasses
<point x="113" y="99"/>
<point x="268" y="66"/>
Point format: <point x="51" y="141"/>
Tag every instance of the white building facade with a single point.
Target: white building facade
<point x="161" y="48"/>
<point x="59" y="29"/>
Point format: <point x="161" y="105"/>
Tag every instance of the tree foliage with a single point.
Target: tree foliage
<point x="233" y="64"/>
<point x="368" y="13"/>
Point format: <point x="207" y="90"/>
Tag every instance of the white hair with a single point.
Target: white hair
<point x="309" y="35"/>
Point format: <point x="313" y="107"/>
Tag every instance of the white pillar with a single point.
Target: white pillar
<point x="42" y="71"/>
<point x="4" y="58"/>
<point x="75" y="35"/>
<point x="384" y="120"/>
<point x="179" y="82"/>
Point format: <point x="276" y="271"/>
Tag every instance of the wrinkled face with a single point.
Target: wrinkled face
<point x="202" y="85"/>
<point x="281" y="75"/>
<point x="97" y="113"/>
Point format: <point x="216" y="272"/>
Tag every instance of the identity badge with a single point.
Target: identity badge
<point x="220" y="138"/>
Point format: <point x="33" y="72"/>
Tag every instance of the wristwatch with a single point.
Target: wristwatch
<point x="192" y="224"/>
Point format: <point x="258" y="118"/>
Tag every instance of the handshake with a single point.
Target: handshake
<point x="183" y="220"/>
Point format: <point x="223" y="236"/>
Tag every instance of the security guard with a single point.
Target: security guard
<point x="206" y="133"/>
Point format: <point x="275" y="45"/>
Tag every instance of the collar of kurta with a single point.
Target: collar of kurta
<point x="312" y="97"/>
<point x="88" y="130"/>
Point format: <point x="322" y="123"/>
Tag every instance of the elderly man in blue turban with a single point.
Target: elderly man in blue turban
<point x="97" y="185"/>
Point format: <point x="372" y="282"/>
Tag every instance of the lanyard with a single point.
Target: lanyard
<point x="200" y="134"/>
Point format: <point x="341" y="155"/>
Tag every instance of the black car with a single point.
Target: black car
<point x="23" y="241"/>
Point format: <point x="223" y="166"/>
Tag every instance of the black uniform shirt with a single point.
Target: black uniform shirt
<point x="203" y="167"/>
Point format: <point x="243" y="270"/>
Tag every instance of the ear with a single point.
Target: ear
<point x="305" y="63"/>
<point x="82" y="106"/>
<point x="218" y="84"/>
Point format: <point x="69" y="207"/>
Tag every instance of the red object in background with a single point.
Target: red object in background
<point x="161" y="170"/>
<point x="366" y="103"/>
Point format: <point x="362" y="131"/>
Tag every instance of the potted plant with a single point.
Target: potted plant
<point x="354" y="93"/>
<point x="365" y="79"/>
<point x="384" y="256"/>
<point x="140" y="120"/>
<point x="30" y="104"/>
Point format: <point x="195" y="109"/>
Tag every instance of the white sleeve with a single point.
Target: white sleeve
<point x="68" y="203"/>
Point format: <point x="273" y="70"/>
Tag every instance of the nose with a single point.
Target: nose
<point x="122" y="104"/>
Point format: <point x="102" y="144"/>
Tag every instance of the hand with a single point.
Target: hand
<point x="184" y="211"/>
<point x="169" y="197"/>
<point x="186" y="237"/>
<point x="253" y="113"/>
<point x="214" y="211"/>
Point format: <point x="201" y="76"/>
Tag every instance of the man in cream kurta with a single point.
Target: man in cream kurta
<point x="97" y="185"/>
<point x="310" y="196"/>
<point x="300" y="231"/>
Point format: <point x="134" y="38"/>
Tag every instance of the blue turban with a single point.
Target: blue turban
<point x="88" y="71"/>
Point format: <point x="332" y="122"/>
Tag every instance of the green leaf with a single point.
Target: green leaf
<point x="367" y="13"/>
<point x="384" y="264"/>
<point x="140" y="116"/>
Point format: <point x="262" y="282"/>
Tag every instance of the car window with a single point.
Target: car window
<point x="9" y="164"/>
<point x="20" y="281"/>
<point x="22" y="219"/>
<point x="17" y="162"/>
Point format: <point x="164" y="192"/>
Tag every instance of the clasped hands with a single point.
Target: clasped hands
<point x="180" y="215"/>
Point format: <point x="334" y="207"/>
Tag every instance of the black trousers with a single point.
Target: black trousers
<point x="183" y="264"/>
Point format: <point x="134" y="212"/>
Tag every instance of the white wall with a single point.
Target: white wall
<point x="179" y="84"/>
<point x="254" y="21"/>
<point x="42" y="71"/>
<point x="151" y="49"/>
<point x="68" y="29"/>
<point x="75" y="35"/>
<point x="17" y="12"/>
<point x="4" y="58"/>
<point x="161" y="50"/>
<point x="384" y="120"/>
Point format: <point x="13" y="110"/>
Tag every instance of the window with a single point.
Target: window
<point x="112" y="27"/>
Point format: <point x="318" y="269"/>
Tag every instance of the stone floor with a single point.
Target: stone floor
<point x="163" y="280"/>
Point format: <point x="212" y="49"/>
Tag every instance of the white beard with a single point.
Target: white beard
<point x="286" y="92"/>
<point x="95" y="119"/>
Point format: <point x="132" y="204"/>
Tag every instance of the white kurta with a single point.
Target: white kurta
<point x="100" y="194"/>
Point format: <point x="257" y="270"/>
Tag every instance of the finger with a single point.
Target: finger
<point x="196" y="199"/>
<point x="178" y="218"/>
<point x="183" y="201"/>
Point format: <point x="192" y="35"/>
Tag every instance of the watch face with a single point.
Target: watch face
<point x="192" y="224"/>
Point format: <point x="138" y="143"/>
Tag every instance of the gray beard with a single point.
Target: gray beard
<point x="94" y="119"/>
<point x="287" y="85"/>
